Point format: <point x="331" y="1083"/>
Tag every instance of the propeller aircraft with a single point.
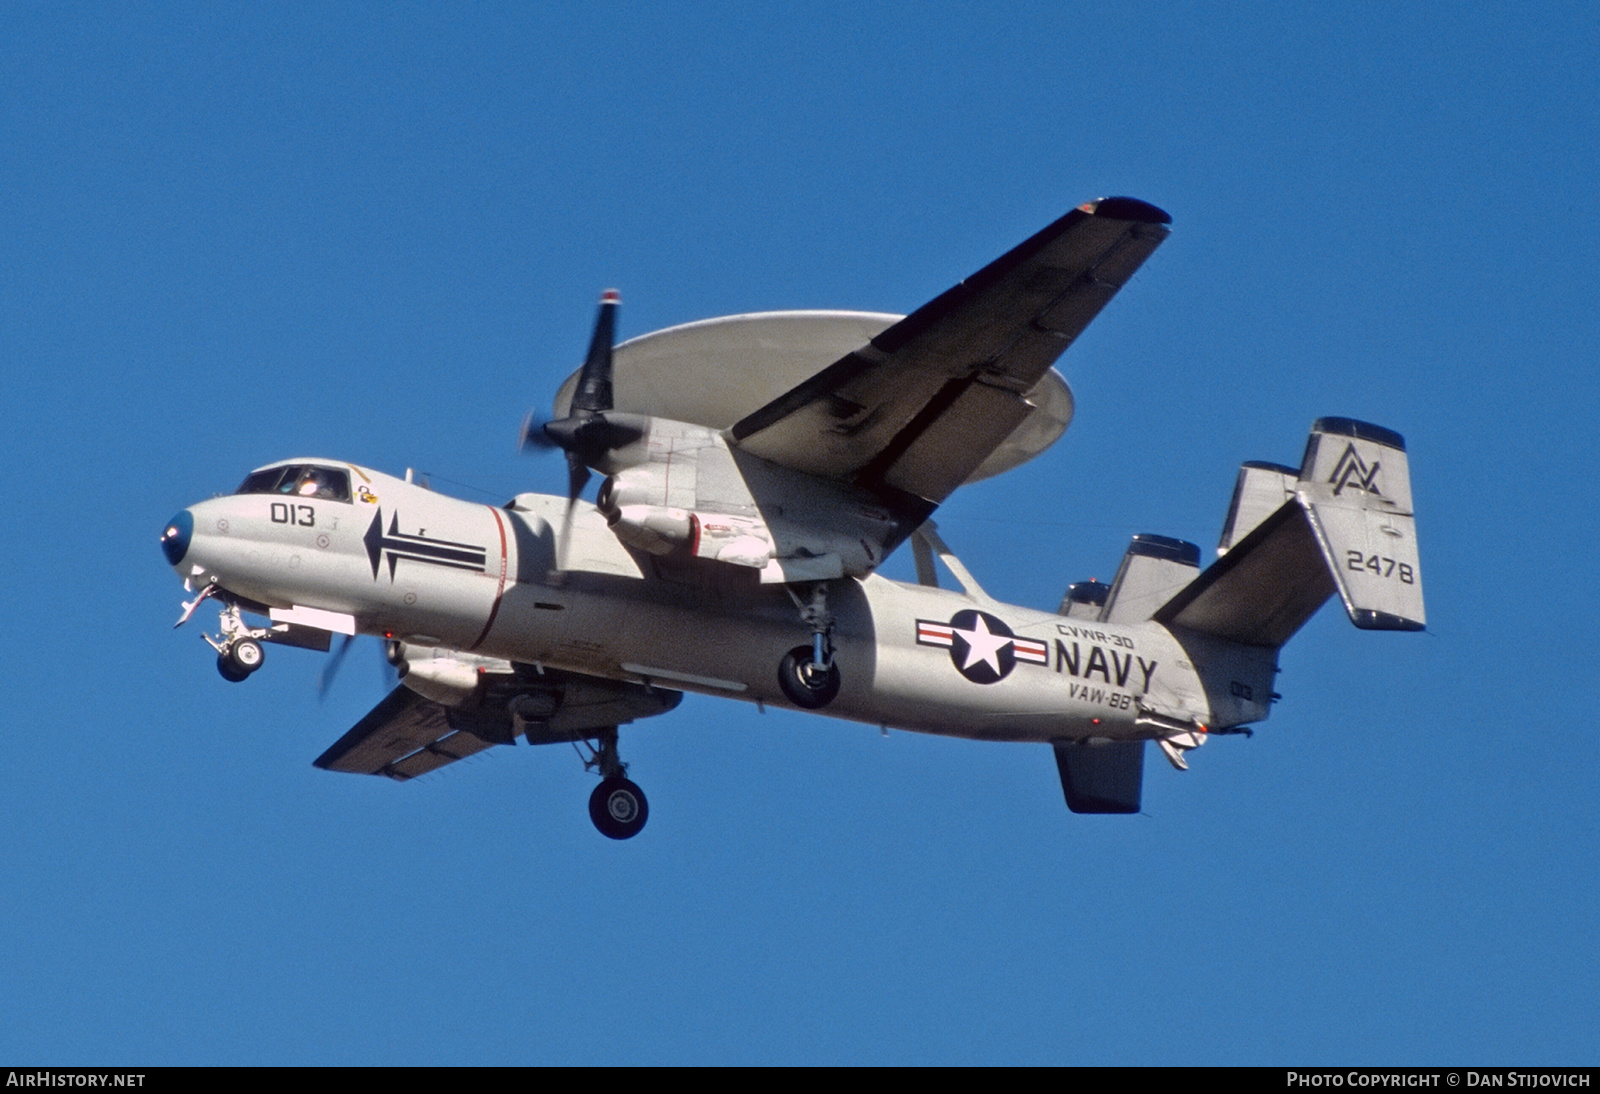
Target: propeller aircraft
<point x="758" y="471"/>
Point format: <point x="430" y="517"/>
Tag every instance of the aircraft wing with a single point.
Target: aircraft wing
<point x="408" y="734"/>
<point x="919" y="407"/>
<point x="404" y="736"/>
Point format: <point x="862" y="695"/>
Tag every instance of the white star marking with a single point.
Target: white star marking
<point x="983" y="646"/>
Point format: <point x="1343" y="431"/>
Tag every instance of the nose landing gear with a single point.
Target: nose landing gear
<point x="238" y="646"/>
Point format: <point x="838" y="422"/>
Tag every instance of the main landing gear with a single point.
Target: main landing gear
<point x="808" y="674"/>
<point x="617" y="806"/>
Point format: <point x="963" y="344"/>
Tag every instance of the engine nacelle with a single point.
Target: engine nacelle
<point x="694" y="496"/>
<point x="450" y="677"/>
<point x="737" y="540"/>
<point x="658" y="529"/>
<point x="442" y="679"/>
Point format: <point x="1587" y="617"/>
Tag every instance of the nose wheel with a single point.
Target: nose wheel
<point x="238" y="659"/>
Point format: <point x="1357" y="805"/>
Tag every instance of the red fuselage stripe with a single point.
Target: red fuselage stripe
<point x="494" y="609"/>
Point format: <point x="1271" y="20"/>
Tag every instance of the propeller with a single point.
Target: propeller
<point x="533" y="437"/>
<point x="586" y="434"/>
<point x="330" y="669"/>
<point x="593" y="393"/>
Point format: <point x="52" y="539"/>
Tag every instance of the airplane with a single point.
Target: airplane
<point x="758" y="471"/>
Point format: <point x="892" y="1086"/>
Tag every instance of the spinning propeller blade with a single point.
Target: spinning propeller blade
<point x="533" y="437"/>
<point x="590" y="398"/>
<point x="330" y="668"/>
<point x="593" y="393"/>
<point x="586" y="435"/>
<point x="577" y="476"/>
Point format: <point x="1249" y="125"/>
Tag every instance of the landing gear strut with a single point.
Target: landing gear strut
<point x="617" y="806"/>
<point x="808" y="674"/>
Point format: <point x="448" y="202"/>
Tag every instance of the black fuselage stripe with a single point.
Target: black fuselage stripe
<point x="476" y="555"/>
<point x="407" y="538"/>
<point x="402" y="556"/>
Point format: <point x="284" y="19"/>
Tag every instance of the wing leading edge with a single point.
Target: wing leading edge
<point x="919" y="407"/>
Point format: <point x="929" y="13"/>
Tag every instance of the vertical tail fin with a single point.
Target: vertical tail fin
<point x="1261" y="491"/>
<point x="1101" y="776"/>
<point x="1154" y="568"/>
<point x="1355" y="484"/>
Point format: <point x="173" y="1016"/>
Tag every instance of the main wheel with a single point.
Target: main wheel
<point x="618" y="808"/>
<point x="805" y="684"/>
<point x="246" y="655"/>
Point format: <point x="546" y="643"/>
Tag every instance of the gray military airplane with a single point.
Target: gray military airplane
<point x="759" y="469"/>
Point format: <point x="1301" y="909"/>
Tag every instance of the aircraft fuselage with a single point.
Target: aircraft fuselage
<point x="404" y="562"/>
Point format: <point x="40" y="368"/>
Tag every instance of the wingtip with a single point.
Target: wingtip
<point x="1141" y="212"/>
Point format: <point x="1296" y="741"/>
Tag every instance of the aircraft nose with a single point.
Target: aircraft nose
<point x="175" y="538"/>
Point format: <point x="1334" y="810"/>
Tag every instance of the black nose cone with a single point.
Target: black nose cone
<point x="175" y="539"/>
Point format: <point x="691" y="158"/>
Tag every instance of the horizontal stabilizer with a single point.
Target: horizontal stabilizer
<point x="1101" y="776"/>
<point x="1344" y="524"/>
<point x="1261" y="591"/>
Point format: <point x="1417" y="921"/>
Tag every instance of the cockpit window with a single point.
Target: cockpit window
<point x="301" y="480"/>
<point x="261" y="482"/>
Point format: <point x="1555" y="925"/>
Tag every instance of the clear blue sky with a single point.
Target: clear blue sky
<point x="237" y="233"/>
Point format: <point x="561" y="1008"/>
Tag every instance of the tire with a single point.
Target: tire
<point x="246" y="655"/>
<point x="618" y="808"/>
<point x="229" y="673"/>
<point x="801" y="682"/>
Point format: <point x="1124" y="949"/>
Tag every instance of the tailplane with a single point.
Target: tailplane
<point x="1341" y="524"/>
